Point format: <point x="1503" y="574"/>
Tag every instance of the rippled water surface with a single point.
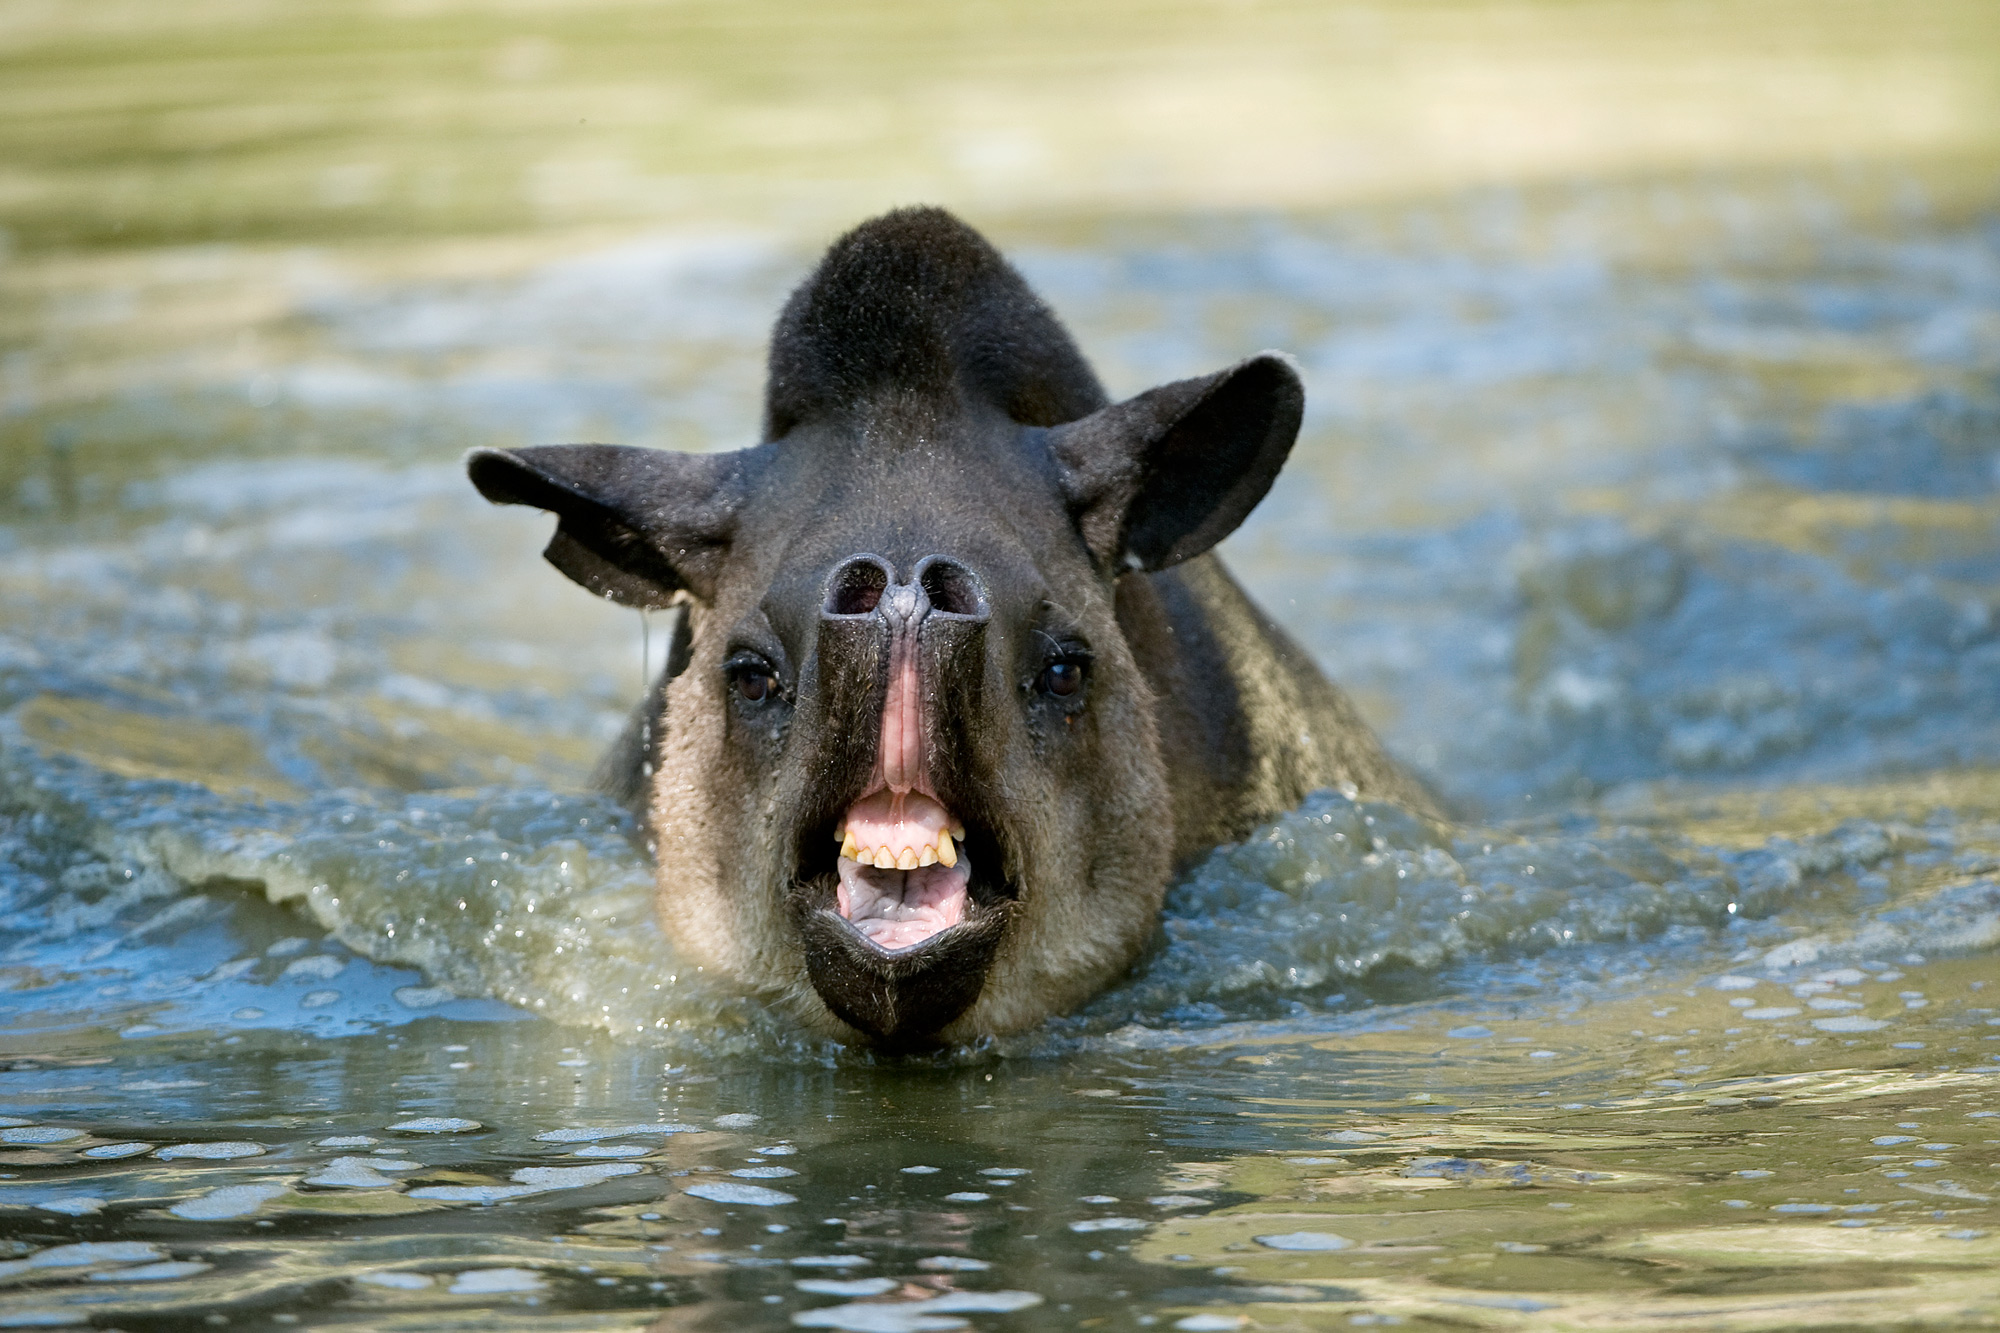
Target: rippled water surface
<point x="1656" y="523"/>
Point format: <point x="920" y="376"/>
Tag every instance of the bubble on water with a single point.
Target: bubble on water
<point x="40" y="1134"/>
<point x="348" y="1141"/>
<point x="1110" y="1224"/>
<point x="1849" y="1023"/>
<point x="113" y="1151"/>
<point x="756" y="1196"/>
<point x="1211" y="1323"/>
<point x="966" y="1196"/>
<point x="921" y="1316"/>
<point x="1801" y="1207"/>
<point x="830" y="1261"/>
<point x="352" y="1173"/>
<point x="573" y="1177"/>
<point x="319" y="999"/>
<point x="612" y="1150"/>
<point x="1735" y="983"/>
<point x="1304" y="1240"/>
<point x="778" y="1150"/>
<point x="319" y="967"/>
<point x="436" y="1124"/>
<point x="395" y="1280"/>
<point x="1754" y="1173"/>
<point x="496" y="1282"/>
<point x="921" y="1170"/>
<point x="424" y="997"/>
<point x="1003" y="1172"/>
<point x="952" y="1263"/>
<point x="229" y="1202"/>
<point x="224" y="1151"/>
<point x="529" y="1180"/>
<point x="736" y="1120"/>
<point x="32" y="1318"/>
<point x="87" y="1254"/>
<point x="479" y="1194"/>
<point x="73" y="1205"/>
<point x="763" y="1172"/>
<point x="591" y="1134"/>
<point x="860" y="1286"/>
<point x="1773" y="1012"/>
<point x="1824" y="1002"/>
<point x="1097" y="1198"/>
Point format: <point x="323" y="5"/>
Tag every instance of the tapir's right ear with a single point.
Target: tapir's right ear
<point x="635" y="525"/>
<point x="1160" y="478"/>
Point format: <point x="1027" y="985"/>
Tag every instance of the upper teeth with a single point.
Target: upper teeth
<point x="905" y="857"/>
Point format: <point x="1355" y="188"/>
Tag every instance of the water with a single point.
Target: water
<point x="1656" y="522"/>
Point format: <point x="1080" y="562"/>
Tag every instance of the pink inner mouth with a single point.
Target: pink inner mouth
<point x="902" y="874"/>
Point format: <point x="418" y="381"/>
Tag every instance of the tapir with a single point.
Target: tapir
<point x="957" y="681"/>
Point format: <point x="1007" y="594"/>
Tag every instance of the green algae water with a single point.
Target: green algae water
<point x="1653" y="516"/>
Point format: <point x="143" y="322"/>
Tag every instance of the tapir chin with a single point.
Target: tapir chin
<point x="956" y="682"/>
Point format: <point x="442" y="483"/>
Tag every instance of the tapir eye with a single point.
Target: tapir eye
<point x="1061" y="679"/>
<point x="752" y="677"/>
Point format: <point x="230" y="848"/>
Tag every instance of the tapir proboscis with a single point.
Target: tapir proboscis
<point x="956" y="681"/>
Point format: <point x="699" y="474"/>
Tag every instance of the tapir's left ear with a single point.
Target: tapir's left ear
<point x="1160" y="478"/>
<point x="636" y="525"/>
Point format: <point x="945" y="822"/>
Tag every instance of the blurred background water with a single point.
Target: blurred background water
<point x="1648" y="503"/>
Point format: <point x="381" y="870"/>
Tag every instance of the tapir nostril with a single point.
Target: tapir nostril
<point x="951" y="587"/>
<point x="857" y="586"/>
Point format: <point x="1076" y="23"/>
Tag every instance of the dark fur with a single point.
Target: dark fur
<point x="924" y="404"/>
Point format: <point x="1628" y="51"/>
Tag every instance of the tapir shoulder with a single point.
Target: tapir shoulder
<point x="1248" y="723"/>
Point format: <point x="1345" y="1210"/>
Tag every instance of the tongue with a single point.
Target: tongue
<point x="899" y="908"/>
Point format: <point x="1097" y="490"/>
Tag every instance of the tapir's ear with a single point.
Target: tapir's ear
<point x="1160" y="478"/>
<point x="636" y="525"/>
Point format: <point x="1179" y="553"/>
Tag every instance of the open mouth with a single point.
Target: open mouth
<point x="903" y="876"/>
<point x="906" y="871"/>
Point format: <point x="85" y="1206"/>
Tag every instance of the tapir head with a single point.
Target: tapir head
<point x="907" y="776"/>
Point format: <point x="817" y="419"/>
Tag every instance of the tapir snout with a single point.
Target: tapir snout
<point x="956" y="682"/>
